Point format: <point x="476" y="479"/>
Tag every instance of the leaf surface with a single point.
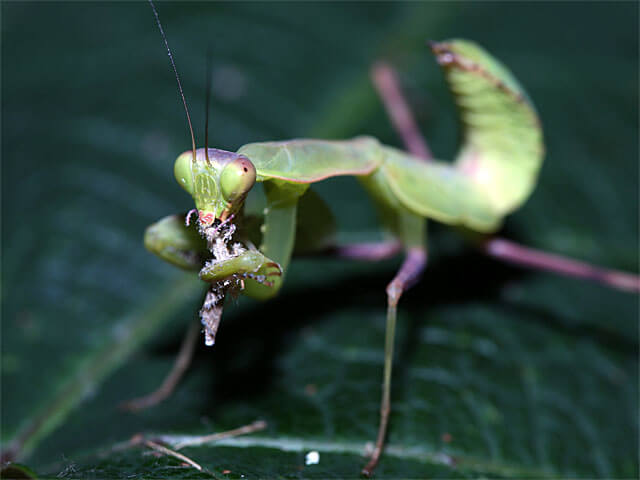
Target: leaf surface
<point x="499" y="372"/>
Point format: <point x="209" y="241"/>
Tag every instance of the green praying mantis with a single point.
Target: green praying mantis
<point x="241" y="247"/>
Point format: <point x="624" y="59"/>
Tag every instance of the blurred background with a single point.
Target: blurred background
<point x="500" y="372"/>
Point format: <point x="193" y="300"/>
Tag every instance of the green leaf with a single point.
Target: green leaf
<point x="499" y="372"/>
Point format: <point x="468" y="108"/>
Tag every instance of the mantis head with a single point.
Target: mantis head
<point x="217" y="180"/>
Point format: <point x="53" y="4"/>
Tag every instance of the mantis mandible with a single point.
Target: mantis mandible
<point x="238" y="248"/>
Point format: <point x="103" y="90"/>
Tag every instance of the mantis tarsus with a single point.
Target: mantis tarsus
<point x="239" y="248"/>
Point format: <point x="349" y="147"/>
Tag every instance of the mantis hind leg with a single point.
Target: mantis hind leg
<point x="410" y="271"/>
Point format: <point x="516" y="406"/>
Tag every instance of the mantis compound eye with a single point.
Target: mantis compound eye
<point x="182" y="171"/>
<point x="237" y="178"/>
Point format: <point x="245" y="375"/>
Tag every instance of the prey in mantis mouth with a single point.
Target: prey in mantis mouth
<point x="219" y="236"/>
<point x="219" y="182"/>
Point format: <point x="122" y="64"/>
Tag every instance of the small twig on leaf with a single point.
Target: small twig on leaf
<point x="251" y="428"/>
<point x="139" y="439"/>
<point x="167" y="451"/>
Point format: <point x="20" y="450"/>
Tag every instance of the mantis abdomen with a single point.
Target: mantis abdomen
<point x="494" y="173"/>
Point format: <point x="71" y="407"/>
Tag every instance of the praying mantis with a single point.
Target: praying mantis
<point x="242" y="246"/>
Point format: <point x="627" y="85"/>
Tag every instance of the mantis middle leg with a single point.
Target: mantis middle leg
<point x="410" y="271"/>
<point x="182" y="362"/>
<point x="410" y="230"/>
<point x="174" y="241"/>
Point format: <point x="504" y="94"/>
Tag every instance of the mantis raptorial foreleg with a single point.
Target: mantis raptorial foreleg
<point x="278" y="238"/>
<point x="250" y="264"/>
<point x="177" y="243"/>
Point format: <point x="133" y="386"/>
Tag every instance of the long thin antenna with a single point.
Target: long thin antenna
<point x="175" y="70"/>
<point x="208" y="101"/>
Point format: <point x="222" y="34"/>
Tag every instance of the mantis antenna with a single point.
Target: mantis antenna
<point x="175" y="70"/>
<point x="207" y="103"/>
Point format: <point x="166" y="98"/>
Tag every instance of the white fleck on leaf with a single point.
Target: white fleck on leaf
<point x="312" y="458"/>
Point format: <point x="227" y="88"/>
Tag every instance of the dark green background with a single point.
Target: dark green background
<point x="530" y="374"/>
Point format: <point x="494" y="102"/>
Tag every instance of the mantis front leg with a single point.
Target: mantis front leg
<point x="263" y="270"/>
<point x="180" y="244"/>
<point x="171" y="239"/>
<point x="251" y="264"/>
